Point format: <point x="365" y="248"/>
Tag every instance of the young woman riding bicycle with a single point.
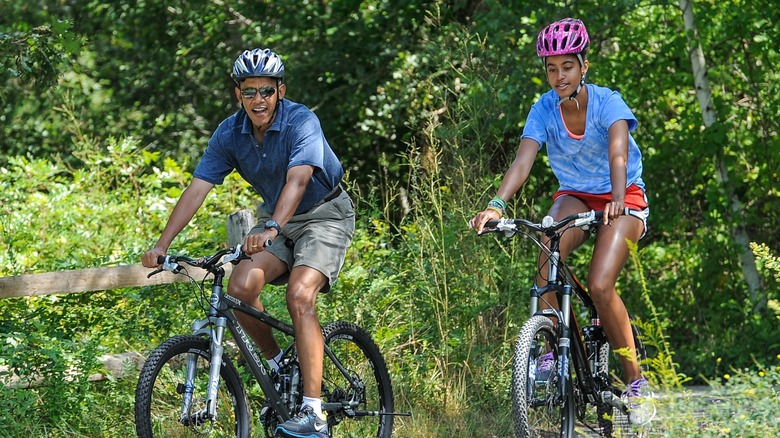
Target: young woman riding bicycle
<point x="586" y="129"/>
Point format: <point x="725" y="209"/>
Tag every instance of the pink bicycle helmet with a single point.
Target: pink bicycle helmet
<point x="564" y="37"/>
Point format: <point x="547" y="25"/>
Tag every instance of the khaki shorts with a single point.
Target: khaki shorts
<point x="318" y="238"/>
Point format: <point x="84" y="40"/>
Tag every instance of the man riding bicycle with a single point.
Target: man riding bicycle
<point x="305" y="222"/>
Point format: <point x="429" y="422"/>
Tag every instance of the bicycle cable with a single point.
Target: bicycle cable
<point x="199" y="293"/>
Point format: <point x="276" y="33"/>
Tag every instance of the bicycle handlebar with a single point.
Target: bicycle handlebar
<point x="548" y="225"/>
<point x="211" y="264"/>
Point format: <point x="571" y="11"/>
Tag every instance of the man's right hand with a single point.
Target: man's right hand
<point x="149" y="258"/>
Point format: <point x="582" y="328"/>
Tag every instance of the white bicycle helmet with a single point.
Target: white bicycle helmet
<point x="258" y="63"/>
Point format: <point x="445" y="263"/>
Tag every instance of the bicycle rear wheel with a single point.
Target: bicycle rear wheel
<point x="358" y="406"/>
<point x="159" y="394"/>
<point x="537" y="409"/>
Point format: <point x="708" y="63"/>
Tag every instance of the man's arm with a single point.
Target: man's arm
<point x="298" y="178"/>
<point x="189" y="203"/>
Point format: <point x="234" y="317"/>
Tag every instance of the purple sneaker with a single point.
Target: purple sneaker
<point x="544" y="366"/>
<point x="639" y="399"/>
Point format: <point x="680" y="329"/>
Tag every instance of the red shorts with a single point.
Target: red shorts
<point x="635" y="198"/>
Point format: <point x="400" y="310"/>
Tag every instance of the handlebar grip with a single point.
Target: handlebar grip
<point x="492" y="223"/>
<point x="160" y="259"/>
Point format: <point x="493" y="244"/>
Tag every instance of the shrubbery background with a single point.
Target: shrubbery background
<point x="105" y="109"/>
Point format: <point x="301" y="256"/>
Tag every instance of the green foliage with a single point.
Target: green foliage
<point x="663" y="371"/>
<point x="425" y="102"/>
<point x="770" y="262"/>
<point x="35" y="57"/>
<point x="105" y="211"/>
<point x="740" y="403"/>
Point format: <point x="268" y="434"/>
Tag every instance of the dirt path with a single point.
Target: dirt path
<point x="692" y="407"/>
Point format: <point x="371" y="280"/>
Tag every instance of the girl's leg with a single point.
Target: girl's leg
<point x="571" y="240"/>
<point x="609" y="256"/>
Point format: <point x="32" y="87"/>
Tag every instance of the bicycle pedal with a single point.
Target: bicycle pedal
<point x="616" y="402"/>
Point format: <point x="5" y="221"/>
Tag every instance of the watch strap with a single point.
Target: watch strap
<point x="275" y="225"/>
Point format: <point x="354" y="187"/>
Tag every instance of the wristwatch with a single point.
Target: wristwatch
<point x="275" y="225"/>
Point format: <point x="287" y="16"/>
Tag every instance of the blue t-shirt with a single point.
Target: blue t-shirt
<point x="295" y="138"/>
<point x="583" y="165"/>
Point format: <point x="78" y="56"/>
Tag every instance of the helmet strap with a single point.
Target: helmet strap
<point x="582" y="61"/>
<point x="573" y="96"/>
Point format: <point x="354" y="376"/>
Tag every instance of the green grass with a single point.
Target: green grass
<point x="741" y="403"/>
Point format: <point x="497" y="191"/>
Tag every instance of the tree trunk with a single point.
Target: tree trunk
<point x="704" y="95"/>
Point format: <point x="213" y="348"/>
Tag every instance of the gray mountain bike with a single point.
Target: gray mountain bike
<point x="582" y="373"/>
<point x="189" y="387"/>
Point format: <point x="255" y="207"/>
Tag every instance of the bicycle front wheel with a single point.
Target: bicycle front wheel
<point x="356" y="387"/>
<point x="537" y="408"/>
<point x="159" y="396"/>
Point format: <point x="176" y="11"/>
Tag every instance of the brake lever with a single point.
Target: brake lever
<point x="168" y="265"/>
<point x="236" y="256"/>
<point x="155" y="272"/>
<point x="507" y="227"/>
<point x="585" y="218"/>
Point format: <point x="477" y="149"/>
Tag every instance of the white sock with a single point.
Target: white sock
<point x="275" y="361"/>
<point x="316" y="405"/>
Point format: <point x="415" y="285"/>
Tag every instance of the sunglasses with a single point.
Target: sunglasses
<point x="265" y="92"/>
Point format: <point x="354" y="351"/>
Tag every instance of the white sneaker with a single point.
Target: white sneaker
<point x="639" y="399"/>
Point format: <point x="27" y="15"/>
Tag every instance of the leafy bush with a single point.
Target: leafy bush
<point x="105" y="211"/>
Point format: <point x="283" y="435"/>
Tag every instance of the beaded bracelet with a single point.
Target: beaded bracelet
<point x="498" y="205"/>
<point x="496" y="209"/>
<point x="500" y="202"/>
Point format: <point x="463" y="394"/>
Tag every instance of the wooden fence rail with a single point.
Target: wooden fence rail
<point x="114" y="277"/>
<point x="99" y="279"/>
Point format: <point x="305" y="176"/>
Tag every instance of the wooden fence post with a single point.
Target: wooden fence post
<point x="238" y="226"/>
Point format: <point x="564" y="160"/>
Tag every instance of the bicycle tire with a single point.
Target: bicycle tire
<point x="612" y="419"/>
<point x="158" y="399"/>
<point x="536" y="408"/>
<point x="355" y="349"/>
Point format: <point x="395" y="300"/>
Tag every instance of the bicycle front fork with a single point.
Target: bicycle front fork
<point x="216" y="334"/>
<point x="564" y="341"/>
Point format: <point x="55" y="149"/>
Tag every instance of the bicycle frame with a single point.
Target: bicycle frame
<point x="190" y="379"/>
<point x="563" y="282"/>
<point x="221" y="316"/>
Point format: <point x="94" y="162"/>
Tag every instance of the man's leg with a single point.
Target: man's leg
<point x="302" y="289"/>
<point x="246" y="282"/>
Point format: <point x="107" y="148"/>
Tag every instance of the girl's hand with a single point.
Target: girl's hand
<point x="478" y="221"/>
<point x="613" y="210"/>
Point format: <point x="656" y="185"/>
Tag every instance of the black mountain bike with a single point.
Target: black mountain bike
<point x="583" y="374"/>
<point x="189" y="387"/>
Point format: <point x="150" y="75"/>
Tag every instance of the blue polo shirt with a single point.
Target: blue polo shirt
<point x="582" y="165"/>
<point x="295" y="138"/>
